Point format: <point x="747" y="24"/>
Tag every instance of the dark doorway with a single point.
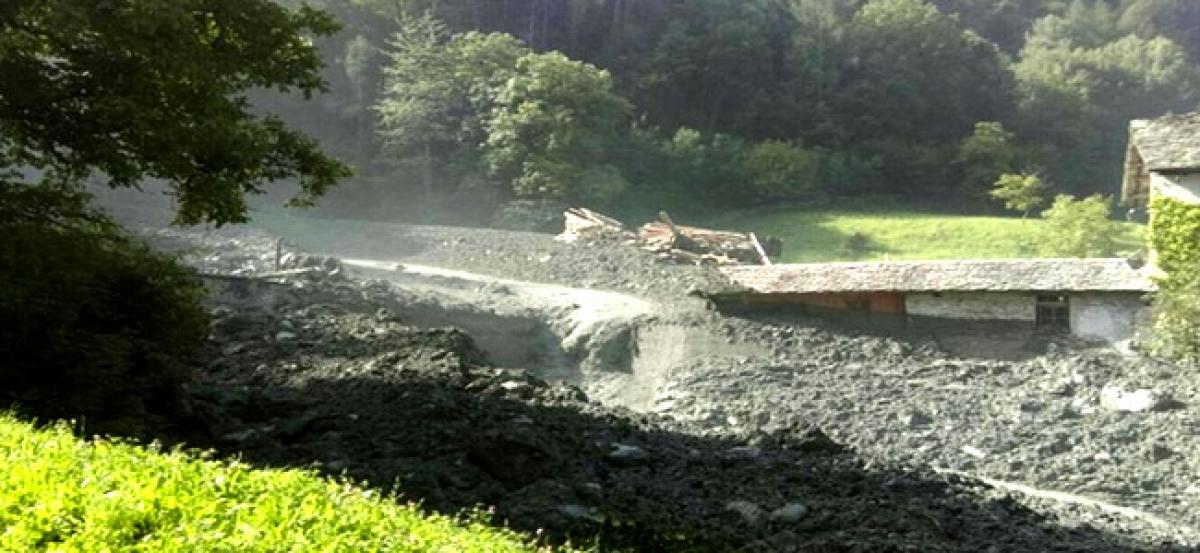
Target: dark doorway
<point x="1054" y="312"/>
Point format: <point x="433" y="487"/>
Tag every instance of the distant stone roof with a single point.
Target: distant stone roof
<point x="1170" y="143"/>
<point x="1004" y="275"/>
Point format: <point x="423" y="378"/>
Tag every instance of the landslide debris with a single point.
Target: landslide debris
<point x="326" y="372"/>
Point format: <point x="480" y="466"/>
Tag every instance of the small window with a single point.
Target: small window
<point x="1054" y="312"/>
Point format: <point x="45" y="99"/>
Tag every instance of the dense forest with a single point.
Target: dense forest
<point x="742" y="102"/>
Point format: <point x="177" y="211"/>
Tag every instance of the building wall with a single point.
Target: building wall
<point x="1107" y="317"/>
<point x="1003" y="306"/>
<point x="1099" y="316"/>
<point x="1184" y="188"/>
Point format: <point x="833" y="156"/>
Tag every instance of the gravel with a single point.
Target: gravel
<point x="727" y="443"/>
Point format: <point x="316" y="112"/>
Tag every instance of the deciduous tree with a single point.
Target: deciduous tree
<point x="1019" y="192"/>
<point x="135" y="89"/>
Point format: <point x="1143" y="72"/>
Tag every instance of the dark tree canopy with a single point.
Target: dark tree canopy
<point x="136" y="89"/>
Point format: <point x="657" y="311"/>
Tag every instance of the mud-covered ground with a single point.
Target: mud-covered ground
<point x="727" y="445"/>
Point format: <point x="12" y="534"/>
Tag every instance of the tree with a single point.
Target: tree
<point x="1021" y="192"/>
<point x="1174" y="19"/>
<point x="1078" y="88"/>
<point x="1004" y="22"/>
<point x="538" y="125"/>
<point x="781" y="170"/>
<point x="916" y="83"/>
<point x="551" y="127"/>
<point x="438" y="92"/>
<point x="1079" y="228"/>
<point x="985" y="155"/>
<point x="139" y="89"/>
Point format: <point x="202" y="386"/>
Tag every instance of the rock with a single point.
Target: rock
<point x="1159" y="452"/>
<point x="579" y="512"/>
<point x="511" y="385"/>
<point x="974" y="452"/>
<point x="917" y="419"/>
<point x="629" y="454"/>
<point x="241" y="436"/>
<point x="792" y="512"/>
<point x="750" y="512"/>
<point x="336" y="465"/>
<point x="742" y="453"/>
<point x="590" y="491"/>
<point x="1116" y="398"/>
<point x="290" y="429"/>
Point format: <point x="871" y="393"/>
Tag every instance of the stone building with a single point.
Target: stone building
<point x="1093" y="299"/>
<point x="1163" y="159"/>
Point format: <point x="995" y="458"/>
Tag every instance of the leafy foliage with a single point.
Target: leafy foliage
<point x="1079" y="228"/>
<point x="986" y="155"/>
<point x="1079" y="86"/>
<point x="1175" y="234"/>
<point x="550" y="128"/>
<point x="782" y="170"/>
<point x="1175" y="238"/>
<point x="1021" y="192"/>
<point x="157" y="88"/>
<point x="1175" y="333"/>
<point x="60" y="493"/>
<point x="874" y="87"/>
<point x="483" y="105"/>
<point x="100" y="327"/>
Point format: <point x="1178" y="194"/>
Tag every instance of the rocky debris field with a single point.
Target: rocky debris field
<point x="513" y="255"/>
<point x="1096" y="424"/>
<point x="756" y="435"/>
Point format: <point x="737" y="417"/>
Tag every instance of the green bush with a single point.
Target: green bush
<point x="1079" y="228"/>
<point x="1175" y="333"/>
<point x="59" y="493"/>
<point x="782" y="170"/>
<point x="97" y="327"/>
<point x="1175" y="237"/>
<point x="1175" y="233"/>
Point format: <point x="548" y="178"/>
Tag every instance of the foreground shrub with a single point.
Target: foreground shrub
<point x="1175" y="332"/>
<point x="63" y="494"/>
<point x="97" y="327"/>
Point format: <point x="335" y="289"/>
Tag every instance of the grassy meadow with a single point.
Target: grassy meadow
<point x="60" y="493"/>
<point x="819" y="235"/>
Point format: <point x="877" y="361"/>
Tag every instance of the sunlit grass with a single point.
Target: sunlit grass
<point x="821" y="235"/>
<point x="59" y="493"/>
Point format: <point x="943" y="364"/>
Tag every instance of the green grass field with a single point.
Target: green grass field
<point x="896" y="233"/>
<point x="59" y="493"/>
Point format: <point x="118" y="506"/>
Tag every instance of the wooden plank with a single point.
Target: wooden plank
<point x="758" y="247"/>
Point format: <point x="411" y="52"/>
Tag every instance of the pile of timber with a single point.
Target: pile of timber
<point x="581" y="225"/>
<point x="670" y="242"/>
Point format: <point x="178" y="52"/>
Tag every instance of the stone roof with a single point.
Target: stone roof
<point x="1024" y="275"/>
<point x="1170" y="143"/>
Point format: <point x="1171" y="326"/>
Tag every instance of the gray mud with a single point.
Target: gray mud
<point x="726" y="406"/>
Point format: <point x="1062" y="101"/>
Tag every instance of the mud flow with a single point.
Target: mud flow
<point x="583" y="392"/>
<point x="617" y="347"/>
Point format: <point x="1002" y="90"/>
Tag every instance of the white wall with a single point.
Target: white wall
<point x="1183" y="188"/>
<point x="1106" y="317"/>
<point x="1007" y="306"/>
